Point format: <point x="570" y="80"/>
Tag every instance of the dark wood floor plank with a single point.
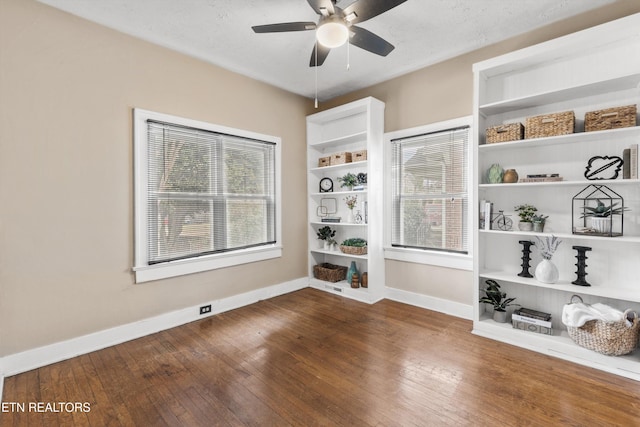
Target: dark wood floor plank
<point x="311" y="358"/>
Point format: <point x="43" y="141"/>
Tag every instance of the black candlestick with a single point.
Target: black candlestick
<point x="526" y="252"/>
<point x="582" y="265"/>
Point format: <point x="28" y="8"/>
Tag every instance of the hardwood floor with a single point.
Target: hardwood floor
<point x="312" y="358"/>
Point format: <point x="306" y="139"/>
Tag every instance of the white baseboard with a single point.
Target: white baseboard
<point x="42" y="356"/>
<point x="430" y="303"/>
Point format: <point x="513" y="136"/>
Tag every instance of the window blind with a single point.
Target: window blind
<point x="429" y="191"/>
<point x="207" y="192"/>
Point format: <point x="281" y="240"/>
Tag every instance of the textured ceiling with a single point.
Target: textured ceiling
<point x="423" y="31"/>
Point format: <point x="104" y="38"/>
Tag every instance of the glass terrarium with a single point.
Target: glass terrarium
<point x="597" y="210"/>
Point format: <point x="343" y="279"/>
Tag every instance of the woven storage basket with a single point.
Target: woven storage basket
<point x="324" y="161"/>
<point x="330" y="272"/>
<point x="549" y="125"/>
<point x="354" y="250"/>
<point x="610" y="118"/>
<point x="358" y="156"/>
<point x="504" y="133"/>
<point x="610" y="338"/>
<point x="340" y="158"/>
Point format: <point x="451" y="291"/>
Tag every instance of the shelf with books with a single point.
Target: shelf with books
<point x="544" y="79"/>
<point x="621" y="291"/>
<point x="356" y="128"/>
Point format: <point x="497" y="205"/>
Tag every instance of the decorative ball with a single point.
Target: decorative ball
<point x="494" y="174"/>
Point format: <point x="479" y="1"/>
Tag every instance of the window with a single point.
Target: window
<point x="429" y="189"/>
<point x="205" y="196"/>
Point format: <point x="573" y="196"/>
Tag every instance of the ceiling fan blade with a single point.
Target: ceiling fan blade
<point x="319" y="5"/>
<point x="286" y="26"/>
<point x="366" y="40"/>
<point x="323" y="52"/>
<point x="367" y="9"/>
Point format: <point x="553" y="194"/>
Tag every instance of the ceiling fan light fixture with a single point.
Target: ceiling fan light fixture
<point x="332" y="33"/>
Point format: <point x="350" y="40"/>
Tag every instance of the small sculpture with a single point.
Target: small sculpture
<point x="526" y="258"/>
<point x="582" y="265"/>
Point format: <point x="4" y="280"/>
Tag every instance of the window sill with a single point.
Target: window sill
<point x="147" y="273"/>
<point x="441" y="259"/>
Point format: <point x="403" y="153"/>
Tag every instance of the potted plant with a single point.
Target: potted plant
<point x="348" y="180"/>
<point x="354" y="246"/>
<point x="538" y="222"/>
<point x="326" y="235"/>
<point x="493" y="295"/>
<point x="600" y="216"/>
<point x="526" y="214"/>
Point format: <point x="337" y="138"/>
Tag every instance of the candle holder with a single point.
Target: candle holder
<point x="526" y="258"/>
<point x="582" y="265"/>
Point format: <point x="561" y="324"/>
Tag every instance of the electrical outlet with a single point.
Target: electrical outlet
<point x="205" y="309"/>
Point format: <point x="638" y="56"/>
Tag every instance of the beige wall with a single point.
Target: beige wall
<point x="445" y="91"/>
<point x="67" y="89"/>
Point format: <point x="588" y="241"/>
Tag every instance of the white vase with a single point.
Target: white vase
<point x="546" y="272"/>
<point x="601" y="224"/>
<point x="351" y="218"/>
<point x="525" y="226"/>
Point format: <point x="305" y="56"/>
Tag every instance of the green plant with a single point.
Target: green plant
<point x="548" y="246"/>
<point x="602" y="210"/>
<point x="540" y="218"/>
<point x="355" y="241"/>
<point x="349" y="180"/>
<point x="326" y="233"/>
<point x="526" y="212"/>
<point x="495" y="296"/>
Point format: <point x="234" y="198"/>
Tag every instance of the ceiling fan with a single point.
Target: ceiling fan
<point x="336" y="26"/>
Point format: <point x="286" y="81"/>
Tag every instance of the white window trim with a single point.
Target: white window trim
<point x="145" y="272"/>
<point x="425" y="256"/>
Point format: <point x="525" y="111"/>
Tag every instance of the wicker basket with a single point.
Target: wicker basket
<point x="504" y="133"/>
<point x="610" y="118"/>
<point x="549" y="125"/>
<point x="324" y="161"/>
<point x="610" y="338"/>
<point x="330" y="272"/>
<point x="354" y="250"/>
<point x="359" y="156"/>
<point x="340" y="158"/>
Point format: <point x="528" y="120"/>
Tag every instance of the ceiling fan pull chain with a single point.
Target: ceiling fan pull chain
<point x="316" y="72"/>
<point x="348" y="55"/>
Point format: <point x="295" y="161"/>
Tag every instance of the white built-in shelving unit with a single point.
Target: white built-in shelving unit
<point x="356" y="126"/>
<point x="590" y="70"/>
